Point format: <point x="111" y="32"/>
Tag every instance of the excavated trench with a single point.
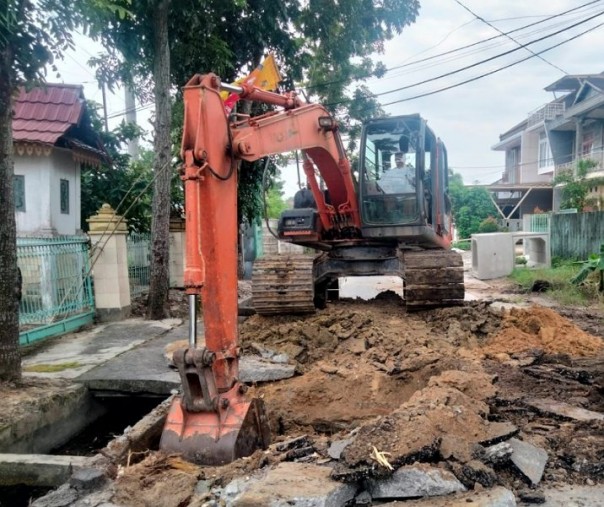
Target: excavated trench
<point x="110" y="416"/>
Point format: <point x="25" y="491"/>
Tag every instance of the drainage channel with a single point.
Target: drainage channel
<point x="113" y="414"/>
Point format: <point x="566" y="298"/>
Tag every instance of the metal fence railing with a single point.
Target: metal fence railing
<point x="56" y="280"/>
<point x="139" y="265"/>
<point x="537" y="223"/>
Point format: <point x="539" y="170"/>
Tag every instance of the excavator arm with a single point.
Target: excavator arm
<point x="213" y="422"/>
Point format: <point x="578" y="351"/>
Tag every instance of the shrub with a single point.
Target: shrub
<point x="489" y="224"/>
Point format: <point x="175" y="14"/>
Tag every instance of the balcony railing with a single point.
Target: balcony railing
<point x="547" y="112"/>
<point x="596" y="155"/>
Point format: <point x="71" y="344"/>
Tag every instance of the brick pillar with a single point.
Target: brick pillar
<point x="110" y="264"/>
<point x="177" y="252"/>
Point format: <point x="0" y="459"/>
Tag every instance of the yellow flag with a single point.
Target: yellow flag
<point x="266" y="76"/>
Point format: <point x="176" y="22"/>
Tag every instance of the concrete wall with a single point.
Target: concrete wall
<point x="65" y="168"/>
<point x="529" y="170"/>
<point x="36" y="172"/>
<point x="42" y="175"/>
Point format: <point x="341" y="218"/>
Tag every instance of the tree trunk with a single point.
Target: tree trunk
<point x="10" y="357"/>
<point x="160" y="225"/>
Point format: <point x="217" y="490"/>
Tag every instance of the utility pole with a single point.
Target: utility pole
<point x="133" y="148"/>
<point x="102" y="85"/>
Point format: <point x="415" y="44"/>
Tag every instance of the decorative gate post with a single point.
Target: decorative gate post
<point x="110" y="264"/>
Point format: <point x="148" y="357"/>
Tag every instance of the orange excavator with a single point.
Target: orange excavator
<point x="391" y="216"/>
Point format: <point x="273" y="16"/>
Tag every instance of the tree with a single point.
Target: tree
<point x="575" y="186"/>
<point x="204" y="37"/>
<point x="32" y="34"/>
<point x="470" y="205"/>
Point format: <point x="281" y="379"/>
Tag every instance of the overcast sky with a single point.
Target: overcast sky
<point x="470" y="118"/>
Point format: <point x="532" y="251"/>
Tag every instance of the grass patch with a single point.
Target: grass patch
<point x="560" y="289"/>
<point x="51" y="368"/>
<point x="464" y="244"/>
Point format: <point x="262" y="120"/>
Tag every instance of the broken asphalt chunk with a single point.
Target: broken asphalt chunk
<point x="528" y="459"/>
<point x="415" y="481"/>
<point x="564" y="410"/>
<point x="337" y="446"/>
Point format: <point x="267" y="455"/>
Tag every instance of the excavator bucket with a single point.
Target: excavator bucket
<point x="237" y="428"/>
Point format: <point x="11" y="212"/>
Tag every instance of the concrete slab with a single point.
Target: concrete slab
<point x="564" y="410"/>
<point x="368" y="287"/>
<point x="72" y="355"/>
<point x="529" y="459"/>
<point x="144" y="368"/>
<point x="38" y="469"/>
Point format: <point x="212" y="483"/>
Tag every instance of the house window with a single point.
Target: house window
<point x="512" y="164"/>
<point x="19" y="192"/>
<point x="587" y="144"/>
<point x="545" y="155"/>
<point x="65" y="197"/>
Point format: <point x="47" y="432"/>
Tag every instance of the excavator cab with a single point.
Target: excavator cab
<point x="392" y="172"/>
<point x="403" y="179"/>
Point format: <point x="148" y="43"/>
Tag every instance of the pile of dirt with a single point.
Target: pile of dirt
<point x="541" y="328"/>
<point x="441" y="413"/>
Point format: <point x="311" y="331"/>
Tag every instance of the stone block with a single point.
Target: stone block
<point x="297" y="485"/>
<point x="415" y="481"/>
<point x="336" y="447"/>
<point x="255" y="369"/>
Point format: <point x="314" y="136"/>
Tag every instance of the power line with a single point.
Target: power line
<point x="467" y="46"/>
<point x="458" y="2"/>
<point x="486" y="60"/>
<point x="480" y="50"/>
<point x="476" y="78"/>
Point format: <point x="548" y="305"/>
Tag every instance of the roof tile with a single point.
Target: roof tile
<point x="44" y="114"/>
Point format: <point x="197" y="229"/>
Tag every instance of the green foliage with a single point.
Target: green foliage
<point x="558" y="278"/>
<point x="121" y="182"/>
<point x="275" y="203"/>
<point x="326" y="52"/>
<point x="575" y="187"/>
<point x="470" y="205"/>
<point x="463" y="244"/>
<point x="594" y="263"/>
<point x="489" y="224"/>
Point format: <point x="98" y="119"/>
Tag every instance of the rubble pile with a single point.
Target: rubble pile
<point x="471" y="405"/>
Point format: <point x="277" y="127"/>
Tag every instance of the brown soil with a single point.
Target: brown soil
<point x="541" y="328"/>
<point x="433" y="386"/>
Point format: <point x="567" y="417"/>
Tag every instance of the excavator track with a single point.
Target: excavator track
<point x="283" y="284"/>
<point x="433" y="278"/>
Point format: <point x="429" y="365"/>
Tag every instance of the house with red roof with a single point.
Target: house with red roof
<point x="53" y="138"/>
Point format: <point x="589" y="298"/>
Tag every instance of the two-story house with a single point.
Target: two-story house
<point x="52" y="139"/>
<point x="553" y="138"/>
